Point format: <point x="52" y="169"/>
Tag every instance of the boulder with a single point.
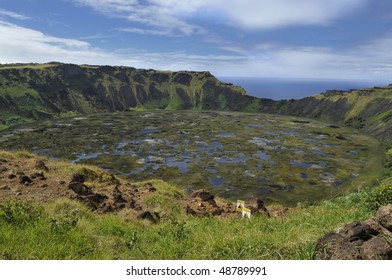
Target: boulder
<point x="384" y="216"/>
<point x="256" y="205"/>
<point x="40" y="165"/>
<point x="37" y="175"/>
<point x="369" y="240"/>
<point x="335" y="246"/>
<point x="203" y="204"/>
<point x="25" y="180"/>
<point x="202" y="209"/>
<point x="378" y="228"/>
<point x="203" y="195"/>
<point x="377" y="248"/>
<point x="95" y="202"/>
<point x="150" y="216"/>
<point x="79" y="178"/>
<point x="79" y="188"/>
<point x="358" y="231"/>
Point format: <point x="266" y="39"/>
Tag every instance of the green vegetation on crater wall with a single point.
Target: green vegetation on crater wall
<point x="365" y="109"/>
<point x="176" y="103"/>
<point x="39" y="91"/>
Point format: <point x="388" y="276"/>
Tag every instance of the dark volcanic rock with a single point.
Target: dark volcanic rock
<point x="203" y="204"/>
<point x="182" y="78"/>
<point x="377" y="248"/>
<point x="256" y="205"/>
<point x="79" y="188"/>
<point x="203" y="195"/>
<point x="78" y="178"/>
<point x="370" y="240"/>
<point x="357" y="230"/>
<point x="40" y="176"/>
<point x="384" y="216"/>
<point x="335" y="246"/>
<point x="95" y="202"/>
<point x="150" y="216"/>
<point x="25" y="180"/>
<point x="40" y="165"/>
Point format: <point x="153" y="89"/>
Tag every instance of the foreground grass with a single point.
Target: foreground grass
<point x="67" y="230"/>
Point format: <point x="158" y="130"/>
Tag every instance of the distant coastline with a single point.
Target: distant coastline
<point x="292" y="88"/>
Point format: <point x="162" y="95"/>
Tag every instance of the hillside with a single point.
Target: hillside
<point x="367" y="109"/>
<point x="44" y="215"/>
<point x="38" y="91"/>
<point x="88" y="213"/>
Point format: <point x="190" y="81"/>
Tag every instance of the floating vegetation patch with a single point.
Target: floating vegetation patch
<point x="280" y="158"/>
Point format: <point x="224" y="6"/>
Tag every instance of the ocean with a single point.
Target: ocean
<point x="279" y="88"/>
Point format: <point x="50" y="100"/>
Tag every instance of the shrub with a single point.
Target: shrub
<point x="24" y="154"/>
<point x="20" y="213"/>
<point x="65" y="219"/>
<point x="379" y="196"/>
<point x="175" y="230"/>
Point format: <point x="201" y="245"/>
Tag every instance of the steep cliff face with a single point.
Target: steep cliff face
<point x="366" y="109"/>
<point x="37" y="91"/>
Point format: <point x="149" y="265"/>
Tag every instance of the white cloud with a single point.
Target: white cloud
<point x="21" y="44"/>
<point x="174" y="15"/>
<point x="262" y="14"/>
<point x="371" y="59"/>
<point x="148" y="31"/>
<point x="5" y="13"/>
<point x="165" y="18"/>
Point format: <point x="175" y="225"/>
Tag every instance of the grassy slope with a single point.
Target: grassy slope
<point x="53" y="235"/>
<point x="38" y="91"/>
<point x="112" y="237"/>
<point x="179" y="236"/>
<point x="366" y="109"/>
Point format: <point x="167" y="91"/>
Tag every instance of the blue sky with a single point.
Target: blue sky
<point x="331" y="39"/>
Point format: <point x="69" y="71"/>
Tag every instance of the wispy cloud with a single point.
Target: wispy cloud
<point x="166" y="17"/>
<point x="265" y="14"/>
<point x="5" y="13"/>
<point x="20" y="44"/>
<point x="371" y="59"/>
<point x="148" y="31"/>
<point x="176" y="16"/>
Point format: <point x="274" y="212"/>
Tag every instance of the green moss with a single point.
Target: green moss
<point x="176" y="103"/>
<point x="3" y="127"/>
<point x="253" y="107"/>
<point x="222" y="102"/>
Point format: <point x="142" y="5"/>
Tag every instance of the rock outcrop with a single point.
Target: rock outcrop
<point x="370" y="240"/>
<point x="256" y="205"/>
<point x="347" y="107"/>
<point x="55" y="88"/>
<point x="202" y="203"/>
<point x="100" y="191"/>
